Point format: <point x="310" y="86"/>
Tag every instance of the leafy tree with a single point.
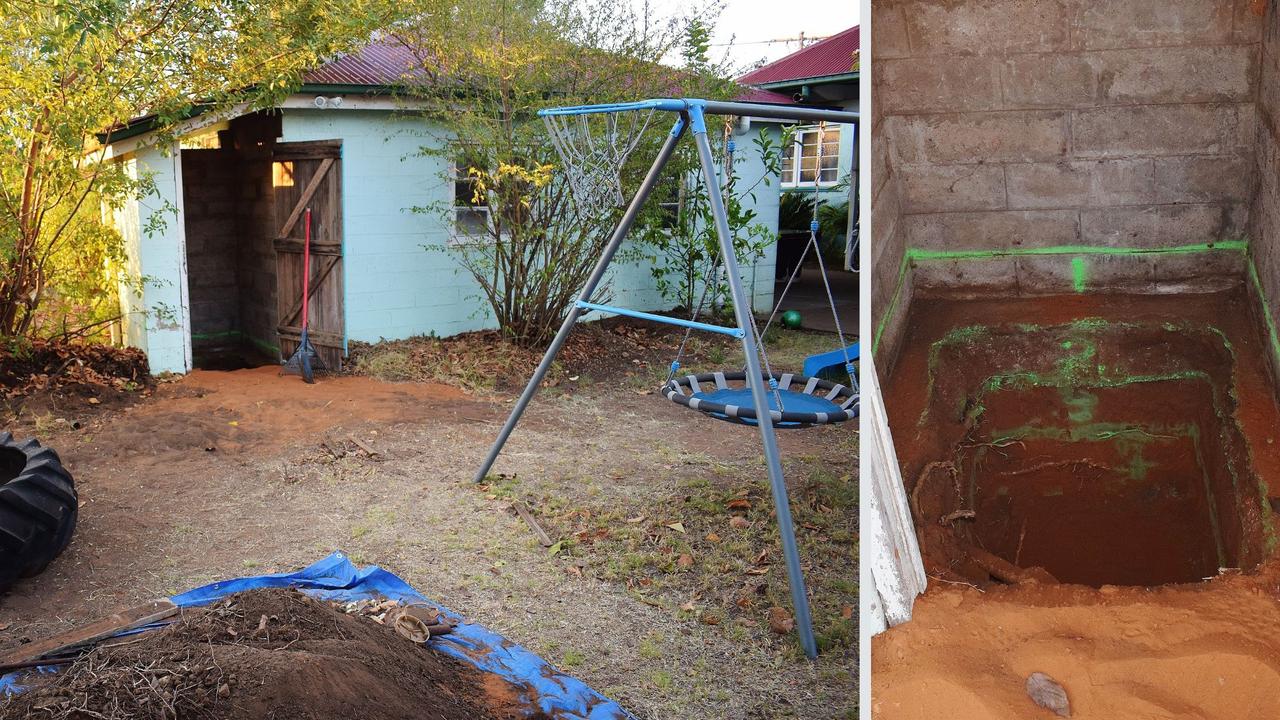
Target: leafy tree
<point x="75" y="68"/>
<point x="678" y="241"/>
<point x="482" y="74"/>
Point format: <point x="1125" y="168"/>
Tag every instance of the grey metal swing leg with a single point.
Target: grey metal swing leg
<point x="593" y="282"/>
<point x="743" y="312"/>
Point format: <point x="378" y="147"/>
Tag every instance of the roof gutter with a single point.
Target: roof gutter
<point x="815" y="80"/>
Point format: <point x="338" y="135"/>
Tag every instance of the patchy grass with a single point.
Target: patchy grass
<point x="710" y="550"/>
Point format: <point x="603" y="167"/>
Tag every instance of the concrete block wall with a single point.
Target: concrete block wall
<point x="1025" y="127"/>
<point x="890" y="288"/>
<point x="255" y="223"/>
<point x="209" y="200"/>
<point x="1264" y="217"/>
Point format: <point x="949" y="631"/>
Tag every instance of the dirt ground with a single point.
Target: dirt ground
<point x="658" y="590"/>
<point x="1190" y="650"/>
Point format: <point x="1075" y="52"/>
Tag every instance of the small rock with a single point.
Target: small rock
<point x="1047" y="693"/>
<point x="224" y="691"/>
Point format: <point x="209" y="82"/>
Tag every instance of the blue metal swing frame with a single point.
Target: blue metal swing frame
<point x="691" y="116"/>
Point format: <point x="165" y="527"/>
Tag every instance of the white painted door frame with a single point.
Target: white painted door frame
<point x="891" y="555"/>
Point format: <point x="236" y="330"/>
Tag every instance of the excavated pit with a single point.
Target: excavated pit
<point x="1100" y="443"/>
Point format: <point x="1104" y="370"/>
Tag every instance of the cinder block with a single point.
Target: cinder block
<point x="1178" y="75"/>
<point x="939" y="188"/>
<point x="952" y="277"/>
<point x="1156" y="226"/>
<point x="886" y="216"/>
<point x="1203" y="179"/>
<point x="959" y="84"/>
<point x="1210" y="129"/>
<point x="1198" y="272"/>
<point x="1059" y="80"/>
<point x="1080" y="183"/>
<point x="1248" y="23"/>
<point x="889" y="340"/>
<point x="1001" y="229"/>
<point x="1057" y="274"/>
<point x="1153" y="23"/>
<point x="987" y="27"/>
<point x="890" y="31"/>
<point x="1019" y="136"/>
<point x="1269" y="88"/>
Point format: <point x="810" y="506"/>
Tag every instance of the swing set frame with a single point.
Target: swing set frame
<point x="691" y="118"/>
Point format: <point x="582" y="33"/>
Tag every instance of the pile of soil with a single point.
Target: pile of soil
<point x="486" y="360"/>
<point x="272" y="653"/>
<point x="41" y="377"/>
<point x="32" y="365"/>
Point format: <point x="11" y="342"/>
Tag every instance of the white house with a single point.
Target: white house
<point x="219" y="242"/>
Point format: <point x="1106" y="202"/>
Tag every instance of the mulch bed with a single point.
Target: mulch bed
<point x="260" y="654"/>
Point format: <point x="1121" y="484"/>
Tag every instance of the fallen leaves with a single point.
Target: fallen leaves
<point x="685" y="560"/>
<point x="677" y="526"/>
<point x="780" y="621"/>
<point x="737" y="521"/>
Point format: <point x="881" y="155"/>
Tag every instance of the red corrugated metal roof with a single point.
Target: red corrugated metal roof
<point x="831" y="56"/>
<point x="381" y="62"/>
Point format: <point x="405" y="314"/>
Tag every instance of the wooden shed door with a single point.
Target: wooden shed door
<point x="309" y="175"/>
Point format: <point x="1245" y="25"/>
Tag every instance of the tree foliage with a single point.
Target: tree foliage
<point x="483" y="72"/>
<point x="678" y="242"/>
<point x="74" y="72"/>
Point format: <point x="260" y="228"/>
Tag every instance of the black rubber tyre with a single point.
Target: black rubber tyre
<point x="38" y="508"/>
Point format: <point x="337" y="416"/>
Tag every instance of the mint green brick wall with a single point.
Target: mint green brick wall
<point x="400" y="278"/>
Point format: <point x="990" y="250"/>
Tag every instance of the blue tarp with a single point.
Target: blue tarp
<point x="336" y="578"/>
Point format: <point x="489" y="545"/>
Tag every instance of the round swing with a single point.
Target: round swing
<point x="797" y="402"/>
<point x="794" y="401"/>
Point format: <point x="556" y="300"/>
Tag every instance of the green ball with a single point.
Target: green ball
<point x="792" y="319"/>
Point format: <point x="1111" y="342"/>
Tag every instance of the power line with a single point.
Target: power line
<point x="801" y="38"/>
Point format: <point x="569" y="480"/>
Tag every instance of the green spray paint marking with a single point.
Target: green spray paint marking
<point x="1077" y="274"/>
<point x="921" y="255"/>
<point x="1267" y="315"/>
<point x="236" y="334"/>
<point x="1225" y="245"/>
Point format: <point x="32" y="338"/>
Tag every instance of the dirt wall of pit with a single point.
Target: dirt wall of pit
<point x="1046" y="146"/>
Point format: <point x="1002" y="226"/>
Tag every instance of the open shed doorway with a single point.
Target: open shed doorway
<point x="231" y="274"/>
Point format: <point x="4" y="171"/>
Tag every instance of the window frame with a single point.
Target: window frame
<point x="796" y="156"/>
<point x="458" y="206"/>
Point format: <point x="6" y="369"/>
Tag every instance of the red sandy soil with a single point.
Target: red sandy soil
<point x="1196" y="650"/>
<point x="140" y="459"/>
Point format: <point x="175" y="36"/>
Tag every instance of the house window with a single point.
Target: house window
<point x="670" y="198"/>
<point x="800" y="162"/>
<point x="470" y="210"/>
